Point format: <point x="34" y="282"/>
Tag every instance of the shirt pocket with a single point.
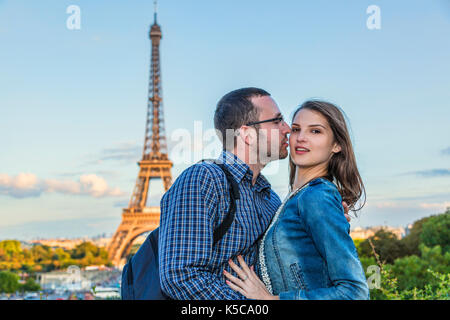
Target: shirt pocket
<point x="297" y="274"/>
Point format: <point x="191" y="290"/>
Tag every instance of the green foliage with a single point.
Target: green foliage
<point x="87" y="253"/>
<point x="412" y="240"/>
<point x="10" y="247"/>
<point x="388" y="246"/>
<point x="134" y="248"/>
<point x="416" y="267"/>
<point x="411" y="271"/>
<point x="9" y="282"/>
<point x="41" y="258"/>
<point x="30" y="285"/>
<point x="84" y="249"/>
<point x="439" y="290"/>
<point x="436" y="231"/>
<point x="431" y="231"/>
<point x="367" y="261"/>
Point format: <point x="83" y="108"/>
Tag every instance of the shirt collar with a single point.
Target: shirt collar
<point x="262" y="183"/>
<point x="239" y="169"/>
<point x="236" y="166"/>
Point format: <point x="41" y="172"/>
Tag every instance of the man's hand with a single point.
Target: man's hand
<point x="344" y="204"/>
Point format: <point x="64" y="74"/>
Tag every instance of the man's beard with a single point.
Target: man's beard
<point x="268" y="155"/>
<point x="283" y="153"/>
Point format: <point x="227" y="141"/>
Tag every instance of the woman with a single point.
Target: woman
<point x="307" y="252"/>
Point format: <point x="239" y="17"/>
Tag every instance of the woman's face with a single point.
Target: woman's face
<point x="311" y="141"/>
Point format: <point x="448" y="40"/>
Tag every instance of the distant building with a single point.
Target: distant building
<point x="77" y="279"/>
<point x="67" y="244"/>
<point x="71" y="280"/>
<point x="408" y="229"/>
<point x="70" y="244"/>
<point x="101" y="242"/>
<point x="364" y="233"/>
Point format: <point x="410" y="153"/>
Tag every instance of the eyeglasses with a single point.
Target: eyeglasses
<point x="268" y="120"/>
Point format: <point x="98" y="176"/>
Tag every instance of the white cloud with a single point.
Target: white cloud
<point x="382" y="205"/>
<point x="21" y="186"/>
<point x="28" y="185"/>
<point x="409" y="205"/>
<point x="97" y="187"/>
<point x="441" y="205"/>
<point x="62" y="186"/>
<point x="25" y="181"/>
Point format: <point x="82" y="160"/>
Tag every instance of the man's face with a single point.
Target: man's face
<point x="273" y="135"/>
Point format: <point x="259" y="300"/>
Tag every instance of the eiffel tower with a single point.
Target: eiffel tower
<point x="155" y="164"/>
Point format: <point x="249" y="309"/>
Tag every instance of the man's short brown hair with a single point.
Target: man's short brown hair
<point x="235" y="110"/>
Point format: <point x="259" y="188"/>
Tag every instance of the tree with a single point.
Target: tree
<point x="412" y="271"/>
<point x="386" y="244"/>
<point x="9" y="282"/>
<point x="30" y="285"/>
<point x="436" y="231"/>
<point x="9" y="247"/>
<point x="84" y="249"/>
<point x="41" y="253"/>
<point x="412" y="241"/>
<point x="87" y="253"/>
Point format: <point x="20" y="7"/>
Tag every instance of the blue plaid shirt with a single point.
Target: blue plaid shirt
<point x="190" y="266"/>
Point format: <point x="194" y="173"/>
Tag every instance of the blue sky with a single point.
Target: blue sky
<point x="73" y="102"/>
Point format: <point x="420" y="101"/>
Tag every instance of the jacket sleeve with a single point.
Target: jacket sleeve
<point x="323" y="216"/>
<point x="186" y="239"/>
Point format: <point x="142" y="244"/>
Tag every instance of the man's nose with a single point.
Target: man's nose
<point x="286" y="128"/>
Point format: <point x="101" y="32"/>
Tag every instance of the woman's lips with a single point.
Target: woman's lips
<point x="301" y="150"/>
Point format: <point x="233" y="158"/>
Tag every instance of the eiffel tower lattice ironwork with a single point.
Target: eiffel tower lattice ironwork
<point x="155" y="164"/>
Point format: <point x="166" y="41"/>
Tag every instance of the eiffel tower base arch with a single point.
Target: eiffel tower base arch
<point x="134" y="223"/>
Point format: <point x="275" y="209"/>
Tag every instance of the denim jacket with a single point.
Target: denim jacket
<point x="307" y="252"/>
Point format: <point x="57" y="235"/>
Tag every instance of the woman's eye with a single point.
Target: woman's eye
<point x="295" y="130"/>
<point x="315" y="131"/>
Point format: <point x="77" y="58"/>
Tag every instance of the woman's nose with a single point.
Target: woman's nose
<point x="301" y="137"/>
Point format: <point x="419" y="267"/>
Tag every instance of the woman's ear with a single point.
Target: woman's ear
<point x="336" y="148"/>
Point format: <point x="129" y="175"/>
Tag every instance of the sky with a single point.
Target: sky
<point x="73" y="98"/>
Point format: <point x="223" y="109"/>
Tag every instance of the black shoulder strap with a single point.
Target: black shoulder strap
<point x="234" y="196"/>
<point x="220" y="231"/>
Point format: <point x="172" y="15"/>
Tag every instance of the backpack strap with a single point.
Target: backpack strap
<point x="220" y="231"/>
<point x="234" y="196"/>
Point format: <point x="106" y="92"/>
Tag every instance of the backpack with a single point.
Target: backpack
<point x="140" y="276"/>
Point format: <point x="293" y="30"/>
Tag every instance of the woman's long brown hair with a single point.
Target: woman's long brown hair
<point x="342" y="166"/>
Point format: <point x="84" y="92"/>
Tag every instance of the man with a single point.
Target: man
<point x="253" y="133"/>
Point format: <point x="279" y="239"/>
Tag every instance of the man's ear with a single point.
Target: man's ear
<point x="247" y="134"/>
